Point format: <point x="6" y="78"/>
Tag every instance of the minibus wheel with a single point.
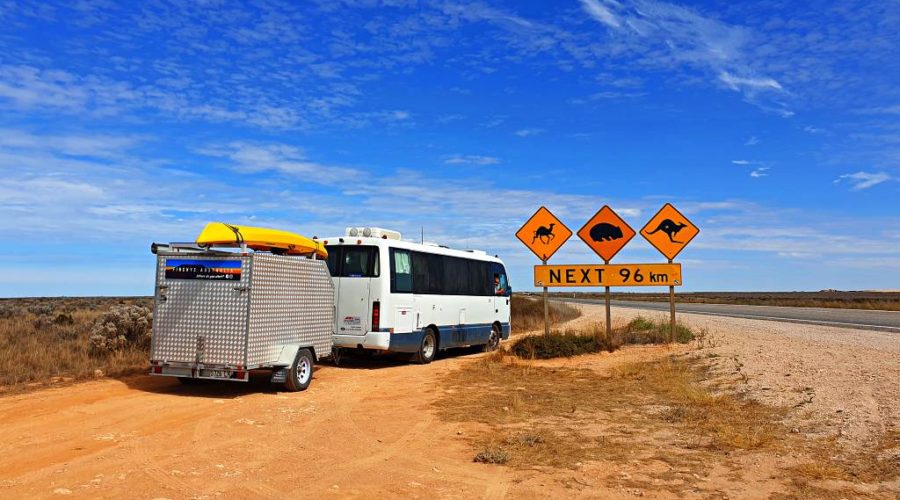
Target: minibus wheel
<point x="301" y="372"/>
<point x="427" y="348"/>
<point x="494" y="340"/>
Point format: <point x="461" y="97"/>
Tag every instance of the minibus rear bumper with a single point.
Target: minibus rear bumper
<point x="382" y="341"/>
<point x="370" y="340"/>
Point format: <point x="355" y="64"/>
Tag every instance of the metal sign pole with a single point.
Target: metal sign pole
<point x="546" y="309"/>
<point x="671" y="312"/>
<point x="608" y="314"/>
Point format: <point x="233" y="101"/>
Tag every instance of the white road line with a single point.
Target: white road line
<point x="794" y="320"/>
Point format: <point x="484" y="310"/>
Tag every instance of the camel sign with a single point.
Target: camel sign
<point x="543" y="234"/>
<point x="606" y="233"/>
<point x="669" y="231"/>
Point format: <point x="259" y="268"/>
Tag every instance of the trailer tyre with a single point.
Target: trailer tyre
<point x="427" y="348"/>
<point x="301" y="372"/>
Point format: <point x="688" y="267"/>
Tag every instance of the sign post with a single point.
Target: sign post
<point x="606" y="233"/>
<point x="544" y="234"/>
<point x="669" y="231"/>
<point x="546" y="309"/>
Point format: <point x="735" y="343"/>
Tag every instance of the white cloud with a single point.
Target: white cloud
<point x="528" y="132"/>
<point x="399" y="115"/>
<point x="668" y="35"/>
<point x="97" y="146"/>
<point x="741" y="162"/>
<point x="864" y="180"/>
<point x="281" y="158"/>
<point x="471" y="160"/>
<point x="742" y="83"/>
<point x="809" y="129"/>
<point x="759" y="172"/>
<point x="600" y="13"/>
<point x="751" y="141"/>
<point x="883" y="110"/>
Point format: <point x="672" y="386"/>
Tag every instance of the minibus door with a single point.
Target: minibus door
<point x="358" y="265"/>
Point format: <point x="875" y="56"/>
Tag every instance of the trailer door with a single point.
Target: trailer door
<point x="201" y="309"/>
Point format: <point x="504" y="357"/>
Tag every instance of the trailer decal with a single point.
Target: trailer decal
<point x="189" y="269"/>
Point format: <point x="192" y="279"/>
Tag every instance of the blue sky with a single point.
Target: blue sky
<point x="774" y="126"/>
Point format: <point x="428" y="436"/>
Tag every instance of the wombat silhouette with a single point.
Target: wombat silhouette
<point x="543" y="233"/>
<point x="670" y="228"/>
<point x="605" y="231"/>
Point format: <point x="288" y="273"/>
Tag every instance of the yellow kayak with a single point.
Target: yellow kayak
<point x="258" y="238"/>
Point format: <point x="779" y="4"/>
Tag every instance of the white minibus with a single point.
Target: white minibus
<point x="417" y="298"/>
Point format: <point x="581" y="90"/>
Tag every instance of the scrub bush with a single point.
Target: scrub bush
<point x="122" y="326"/>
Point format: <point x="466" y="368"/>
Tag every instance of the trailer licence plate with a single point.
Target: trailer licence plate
<point x="218" y="373"/>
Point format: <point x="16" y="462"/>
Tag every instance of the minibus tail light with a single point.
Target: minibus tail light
<point x="376" y="316"/>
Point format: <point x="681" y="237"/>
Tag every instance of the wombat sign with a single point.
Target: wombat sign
<point x="605" y="231"/>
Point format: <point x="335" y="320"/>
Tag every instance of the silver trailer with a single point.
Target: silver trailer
<point x="218" y="315"/>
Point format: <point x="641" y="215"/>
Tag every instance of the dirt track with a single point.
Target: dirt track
<point x="366" y="430"/>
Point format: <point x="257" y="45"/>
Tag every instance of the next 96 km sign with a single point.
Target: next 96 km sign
<point x="608" y="275"/>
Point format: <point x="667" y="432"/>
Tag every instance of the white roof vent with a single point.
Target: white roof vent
<point x="372" y="232"/>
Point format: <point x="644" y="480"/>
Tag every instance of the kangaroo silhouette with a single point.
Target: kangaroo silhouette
<point x="605" y="231"/>
<point x="670" y="228"/>
<point x="544" y="233"/>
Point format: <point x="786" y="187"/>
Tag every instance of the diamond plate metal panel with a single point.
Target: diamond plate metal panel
<point x="291" y="302"/>
<point x="199" y="320"/>
<point x="279" y="300"/>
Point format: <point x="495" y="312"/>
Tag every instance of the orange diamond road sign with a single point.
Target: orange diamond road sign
<point x="669" y="231"/>
<point x="606" y="233"/>
<point x="543" y="233"/>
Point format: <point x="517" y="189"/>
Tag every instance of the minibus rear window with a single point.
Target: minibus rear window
<point x="356" y="261"/>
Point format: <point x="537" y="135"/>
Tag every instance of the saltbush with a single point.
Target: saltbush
<point x="122" y="326"/>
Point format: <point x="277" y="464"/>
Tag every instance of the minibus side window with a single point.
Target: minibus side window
<point x="401" y="271"/>
<point x="500" y="280"/>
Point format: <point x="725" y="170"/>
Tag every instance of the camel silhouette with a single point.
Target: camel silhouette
<point x="544" y="233"/>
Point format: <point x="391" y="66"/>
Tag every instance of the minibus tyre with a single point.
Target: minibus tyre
<point x="301" y="372"/>
<point x="427" y="348"/>
<point x="493" y="341"/>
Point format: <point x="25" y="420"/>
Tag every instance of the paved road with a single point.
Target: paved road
<point x="888" y="321"/>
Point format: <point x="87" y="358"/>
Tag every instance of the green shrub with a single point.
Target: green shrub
<point x="645" y="331"/>
<point x="593" y="338"/>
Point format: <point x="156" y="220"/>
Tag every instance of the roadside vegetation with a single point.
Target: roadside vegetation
<point x="886" y="301"/>
<point x="50" y="341"/>
<point x="527" y="313"/>
<point x="593" y="338"/>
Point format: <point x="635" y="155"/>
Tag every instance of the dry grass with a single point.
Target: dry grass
<point x="527" y="314"/>
<point x="46" y="341"/>
<point x="672" y="419"/>
<point x="581" y="415"/>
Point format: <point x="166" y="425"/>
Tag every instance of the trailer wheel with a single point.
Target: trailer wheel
<point x="427" y="348"/>
<point x="301" y="372"/>
<point x="493" y="341"/>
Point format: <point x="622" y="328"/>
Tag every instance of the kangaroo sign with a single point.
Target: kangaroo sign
<point x="606" y="233"/>
<point x="669" y="231"/>
<point x="543" y="234"/>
